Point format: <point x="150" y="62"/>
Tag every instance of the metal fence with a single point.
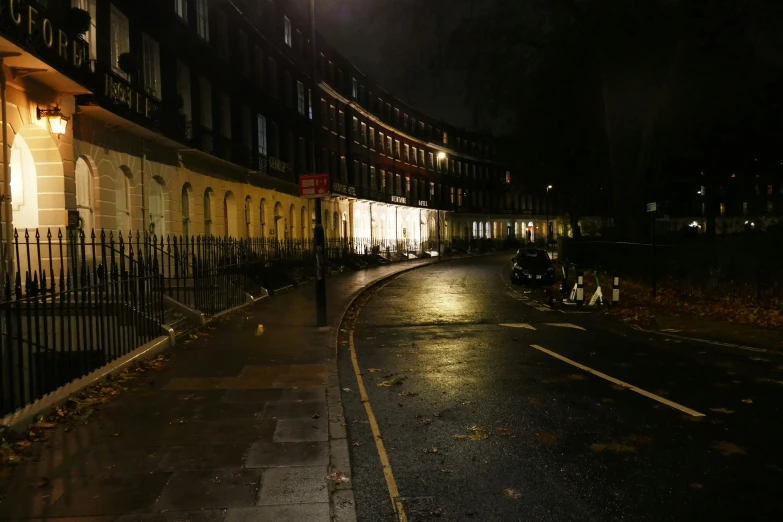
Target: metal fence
<point x="71" y="304"/>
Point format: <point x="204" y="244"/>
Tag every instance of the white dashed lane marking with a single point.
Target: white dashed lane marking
<point x="518" y="325"/>
<point x="565" y="325"/>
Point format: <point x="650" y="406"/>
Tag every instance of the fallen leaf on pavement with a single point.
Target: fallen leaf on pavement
<point x="426" y="420"/>
<point x="478" y="433"/>
<point x="44" y="425"/>
<point x="347" y="390"/>
<point x="747" y="401"/>
<point x="338" y="477"/>
<point x="316" y="416"/>
<point x="445" y="470"/>
<point x="721" y="410"/>
<point x="408" y="394"/>
<point x="696" y="485"/>
<point x="373" y="370"/>
<point x="393" y="382"/>
<point x="728" y="448"/>
<point x="460" y="436"/>
<point x="431" y="450"/>
<point x="513" y="494"/>
<point x="503" y="432"/>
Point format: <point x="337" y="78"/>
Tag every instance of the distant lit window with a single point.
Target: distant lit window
<point x="300" y="98"/>
<point x="287" y="28"/>
<point x="202" y="19"/>
<point x="354" y="88"/>
<point x="723" y="209"/>
<point x="508" y="177"/>
<point x="445" y="137"/>
<point x="744" y="208"/>
<point x="769" y="190"/>
<point x="407" y="153"/>
<point x="310" y="103"/>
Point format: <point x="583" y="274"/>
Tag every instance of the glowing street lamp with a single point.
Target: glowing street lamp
<point x="57" y="121"/>
<point x="441" y="155"/>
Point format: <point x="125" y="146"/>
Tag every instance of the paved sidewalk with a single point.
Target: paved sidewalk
<point x="722" y="331"/>
<point x="236" y="428"/>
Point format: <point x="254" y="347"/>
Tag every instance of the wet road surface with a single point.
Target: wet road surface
<point x="554" y="418"/>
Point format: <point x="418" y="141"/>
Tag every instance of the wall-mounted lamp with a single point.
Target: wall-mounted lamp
<point x="57" y="121"/>
<point x="441" y="155"/>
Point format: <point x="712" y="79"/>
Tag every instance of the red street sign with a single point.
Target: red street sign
<point x="314" y="185"/>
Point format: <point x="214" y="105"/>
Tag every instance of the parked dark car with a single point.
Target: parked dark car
<point x="532" y="266"/>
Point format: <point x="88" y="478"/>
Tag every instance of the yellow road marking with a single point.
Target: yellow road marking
<point x="391" y="484"/>
<point x="621" y="383"/>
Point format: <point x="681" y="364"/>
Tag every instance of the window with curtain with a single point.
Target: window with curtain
<point x="120" y="39"/>
<point x="151" y="66"/>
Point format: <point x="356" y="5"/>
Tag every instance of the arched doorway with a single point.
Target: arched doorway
<point x="208" y="212"/>
<point x="229" y="215"/>
<point x="186" y="190"/>
<point x="291" y="230"/>
<point x="157" y="224"/>
<point x="122" y="198"/>
<point x="262" y="212"/>
<point x="279" y="222"/>
<point x="248" y="214"/>
<point x="83" y="175"/>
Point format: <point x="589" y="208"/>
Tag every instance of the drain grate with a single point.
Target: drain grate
<point x="418" y="509"/>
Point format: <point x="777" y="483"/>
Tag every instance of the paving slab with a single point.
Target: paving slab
<point x="300" y="485"/>
<point x="292" y="513"/>
<point x="301" y="430"/>
<point x="287" y="454"/>
<point x="209" y="489"/>
<point x="109" y="495"/>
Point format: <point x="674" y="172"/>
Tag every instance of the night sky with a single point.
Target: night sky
<point x="398" y="44"/>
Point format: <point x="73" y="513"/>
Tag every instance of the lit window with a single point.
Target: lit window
<point x="181" y="8"/>
<point x="407" y="153"/>
<point x="364" y="133"/>
<point x="415" y="155"/>
<point x="310" y="103"/>
<point x="397" y="149"/>
<point x="287" y="28"/>
<point x="508" y="177"/>
<point x="151" y="66"/>
<point x="202" y="19"/>
<point x="445" y="137"/>
<point x="723" y="209"/>
<point x="120" y="40"/>
<point x="354" y="88"/>
<point x="769" y="190"/>
<point x="261" y="135"/>
<point x="91" y="35"/>
<point x="371" y="139"/>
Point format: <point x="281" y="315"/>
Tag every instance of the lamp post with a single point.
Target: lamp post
<point x="548" y="188"/>
<point x="319" y="239"/>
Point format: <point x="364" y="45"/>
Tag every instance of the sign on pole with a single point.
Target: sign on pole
<point x="652" y="207"/>
<point x="314" y="185"/>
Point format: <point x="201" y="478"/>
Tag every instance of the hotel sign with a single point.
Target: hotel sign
<point x="423" y="203"/>
<point x="314" y="185"/>
<point x="37" y="31"/>
<point x="342" y="188"/>
<point x="399" y="199"/>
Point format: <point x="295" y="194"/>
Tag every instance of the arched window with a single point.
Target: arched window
<point x="262" y="212"/>
<point x="186" y="190"/>
<point x="248" y="223"/>
<point x="230" y="215"/>
<point x="157" y="224"/>
<point x="83" y="176"/>
<point x="291" y="228"/>
<point x="208" y="212"/>
<point x="122" y="198"/>
<point x="304" y="220"/>
<point x="24" y="185"/>
<point x="336" y="224"/>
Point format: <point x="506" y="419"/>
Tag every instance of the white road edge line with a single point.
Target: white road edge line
<point x="705" y="341"/>
<point x="618" y="382"/>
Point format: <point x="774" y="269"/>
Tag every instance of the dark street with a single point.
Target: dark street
<point x="492" y="407"/>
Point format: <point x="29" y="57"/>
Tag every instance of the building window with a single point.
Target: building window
<point x="287" y="31"/>
<point x="445" y="137"/>
<point x="371" y="139"/>
<point x="421" y="157"/>
<point x="769" y="190"/>
<point x="183" y="89"/>
<point x="202" y="19"/>
<point x="398" y="184"/>
<point x="355" y="129"/>
<point x="397" y="149"/>
<point x="225" y="115"/>
<point x="744" y="208"/>
<point x="508" y="176"/>
<point x="723" y="209"/>
<point x="383" y="181"/>
<point x="206" y="103"/>
<point x="343" y="170"/>
<point x="389" y="150"/>
<point x="407" y="153"/>
<point x="451" y="193"/>
<point x="262" y="149"/>
<point x="381" y="143"/>
<point x="181" y="8"/>
<point x="300" y="98"/>
<point x="152" y="67"/>
<point x="332" y="118"/>
<point x="341" y="123"/>
<point x="310" y="103"/>
<point x="91" y="35"/>
<point x="431" y="161"/>
<point x="405" y="121"/>
<point x="120" y="40"/>
<point x="364" y="133"/>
